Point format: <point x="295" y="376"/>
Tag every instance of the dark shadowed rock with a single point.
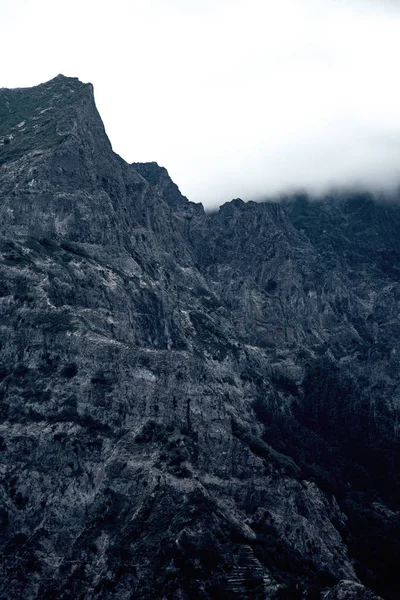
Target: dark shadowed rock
<point x="350" y="590"/>
<point x="192" y="406"/>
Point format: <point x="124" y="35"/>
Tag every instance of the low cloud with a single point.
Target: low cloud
<point x="235" y="98"/>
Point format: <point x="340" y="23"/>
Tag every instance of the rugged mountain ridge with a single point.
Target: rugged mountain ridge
<point x="193" y="405"/>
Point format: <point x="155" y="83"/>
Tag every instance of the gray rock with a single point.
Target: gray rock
<point x="350" y="590"/>
<point x="190" y="402"/>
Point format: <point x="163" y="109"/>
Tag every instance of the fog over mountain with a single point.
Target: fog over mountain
<point x="193" y="406"/>
<point x="236" y="98"/>
<point x="199" y="401"/>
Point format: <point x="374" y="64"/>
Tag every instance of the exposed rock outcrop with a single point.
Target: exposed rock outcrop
<point x="192" y="405"/>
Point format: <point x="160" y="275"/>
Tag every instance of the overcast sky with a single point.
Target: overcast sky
<point x="236" y="98"/>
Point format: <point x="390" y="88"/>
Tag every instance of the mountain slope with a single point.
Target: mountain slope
<point x="192" y="405"/>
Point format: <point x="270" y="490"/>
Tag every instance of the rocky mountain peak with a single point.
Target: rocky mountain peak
<point x="41" y="117"/>
<point x="193" y="406"/>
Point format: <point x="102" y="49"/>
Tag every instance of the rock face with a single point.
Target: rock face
<point x="193" y="406"/>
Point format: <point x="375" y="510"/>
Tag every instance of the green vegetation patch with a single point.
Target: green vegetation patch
<point x="29" y="117"/>
<point x="264" y="451"/>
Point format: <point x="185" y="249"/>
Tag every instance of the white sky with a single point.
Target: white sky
<point x="237" y="98"/>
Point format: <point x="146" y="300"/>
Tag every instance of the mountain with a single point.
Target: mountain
<point x="193" y="406"/>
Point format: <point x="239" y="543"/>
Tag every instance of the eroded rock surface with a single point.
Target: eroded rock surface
<point x="192" y="405"/>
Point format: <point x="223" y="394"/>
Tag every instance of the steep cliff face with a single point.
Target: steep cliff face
<point x="192" y="405"/>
